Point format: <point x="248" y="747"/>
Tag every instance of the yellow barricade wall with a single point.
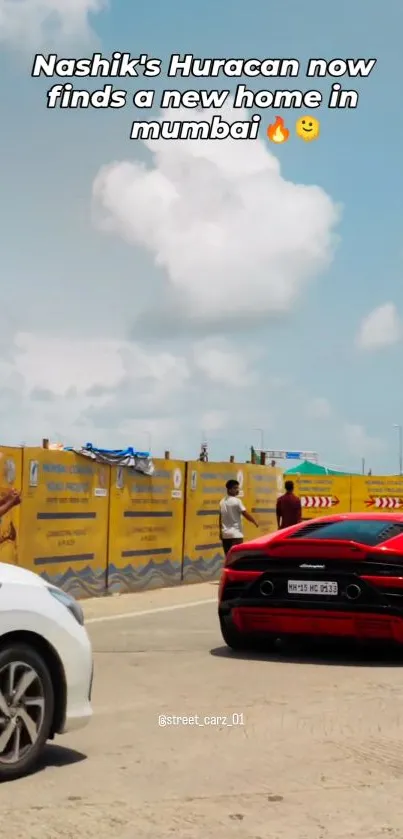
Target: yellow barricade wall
<point x="264" y="485"/>
<point x="146" y="527"/>
<point x="64" y="520"/>
<point x="371" y="493"/>
<point x="322" y="495"/>
<point x="90" y="528"/>
<point x="10" y="478"/>
<point x="205" y="486"/>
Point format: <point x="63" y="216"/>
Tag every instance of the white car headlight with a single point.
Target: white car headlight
<point x="69" y="602"/>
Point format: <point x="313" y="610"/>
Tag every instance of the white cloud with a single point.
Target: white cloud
<point x="223" y="365"/>
<point x="46" y="361"/>
<point x="155" y="434"/>
<point x="381" y="328"/>
<point x="232" y="235"/>
<point x="37" y="22"/>
<point x="112" y="393"/>
<point x="213" y="421"/>
<point x="85" y="389"/>
<point x="58" y="363"/>
<point x="318" y="408"/>
<point x="359" y="442"/>
<point x="118" y="393"/>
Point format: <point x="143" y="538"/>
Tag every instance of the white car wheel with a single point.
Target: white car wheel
<point x="26" y="709"/>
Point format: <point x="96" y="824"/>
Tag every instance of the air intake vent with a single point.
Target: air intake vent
<point x="390" y="531"/>
<point x="312" y="527"/>
<point x="368" y="531"/>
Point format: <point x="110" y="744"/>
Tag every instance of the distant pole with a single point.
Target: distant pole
<point x="261" y="432"/>
<point x="400" y="435"/>
<point x="363" y="465"/>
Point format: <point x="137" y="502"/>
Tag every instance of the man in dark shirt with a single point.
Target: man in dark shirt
<point x="288" y="508"/>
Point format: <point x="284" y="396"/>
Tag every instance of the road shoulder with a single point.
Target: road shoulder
<point x="98" y="608"/>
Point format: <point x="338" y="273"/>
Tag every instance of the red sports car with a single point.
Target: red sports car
<point x="338" y="576"/>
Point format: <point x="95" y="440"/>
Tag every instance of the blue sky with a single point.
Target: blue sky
<point x="96" y="344"/>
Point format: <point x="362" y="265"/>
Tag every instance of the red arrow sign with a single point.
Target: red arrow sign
<point x="316" y="501"/>
<point x="385" y="502"/>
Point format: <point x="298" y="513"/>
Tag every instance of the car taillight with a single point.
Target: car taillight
<point x="383" y="582"/>
<point x="228" y="559"/>
<point x="237" y="578"/>
<point x="222" y="583"/>
<point x="234" y="555"/>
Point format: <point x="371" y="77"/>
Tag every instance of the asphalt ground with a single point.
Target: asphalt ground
<point x="299" y="743"/>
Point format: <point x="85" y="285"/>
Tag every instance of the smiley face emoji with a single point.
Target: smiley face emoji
<point x="307" y="128"/>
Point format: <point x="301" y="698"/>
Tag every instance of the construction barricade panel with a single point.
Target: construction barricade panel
<point x="10" y="478"/>
<point x="322" y="495"/>
<point x="205" y="486"/>
<point x="383" y="493"/>
<point x="264" y="485"/>
<point x="146" y="527"/>
<point x="64" y="520"/>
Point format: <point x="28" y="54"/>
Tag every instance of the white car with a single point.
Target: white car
<point x="46" y="668"/>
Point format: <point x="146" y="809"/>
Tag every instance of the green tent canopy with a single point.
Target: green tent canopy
<point x="308" y="468"/>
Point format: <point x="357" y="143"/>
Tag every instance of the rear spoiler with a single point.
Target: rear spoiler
<point x="298" y="546"/>
<point x="346" y="543"/>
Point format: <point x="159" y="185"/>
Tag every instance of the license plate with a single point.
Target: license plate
<point x="312" y="587"/>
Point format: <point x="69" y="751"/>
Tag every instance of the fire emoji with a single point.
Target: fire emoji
<point x="277" y="132"/>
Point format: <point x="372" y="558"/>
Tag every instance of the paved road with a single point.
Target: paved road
<point x="316" y="751"/>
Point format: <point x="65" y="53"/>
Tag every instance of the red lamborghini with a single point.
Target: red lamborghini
<point x="338" y="576"/>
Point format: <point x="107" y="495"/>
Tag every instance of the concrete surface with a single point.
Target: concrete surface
<point x="319" y="753"/>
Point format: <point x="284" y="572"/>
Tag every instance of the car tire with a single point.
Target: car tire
<point x="239" y="641"/>
<point x="26" y="714"/>
<point x="232" y="637"/>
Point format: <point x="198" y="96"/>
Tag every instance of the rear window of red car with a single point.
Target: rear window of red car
<point x="365" y="531"/>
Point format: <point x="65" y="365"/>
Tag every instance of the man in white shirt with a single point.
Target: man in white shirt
<point x="231" y="511"/>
